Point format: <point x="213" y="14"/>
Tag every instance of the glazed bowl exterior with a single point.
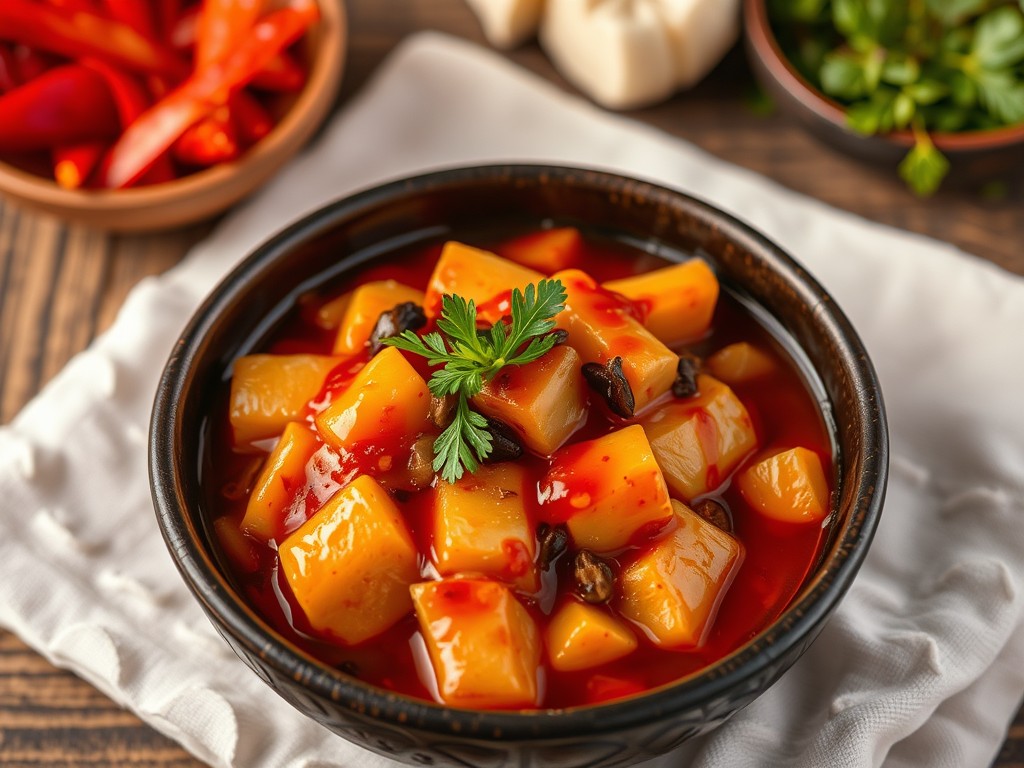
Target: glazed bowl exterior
<point x="427" y="209"/>
<point x="974" y="156"/>
<point x="206" y="193"/>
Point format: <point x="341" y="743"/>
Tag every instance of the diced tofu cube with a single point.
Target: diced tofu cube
<point x="479" y="276"/>
<point x="386" y="400"/>
<point x="789" y="486"/>
<point x="351" y="564"/>
<point x="547" y="251"/>
<point x="600" y="328"/>
<point x="700" y="440"/>
<point x="609" y="492"/>
<point x="483" y="645"/>
<point x="581" y="636"/>
<point x="740" y="362"/>
<point x="544" y="402"/>
<point x="364" y="309"/>
<point x="283" y="474"/>
<point x="677" y="301"/>
<point x="673" y="590"/>
<point x="268" y="391"/>
<point x="481" y="526"/>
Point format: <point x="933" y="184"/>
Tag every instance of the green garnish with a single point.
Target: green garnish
<point x="925" y="65"/>
<point x="470" y="358"/>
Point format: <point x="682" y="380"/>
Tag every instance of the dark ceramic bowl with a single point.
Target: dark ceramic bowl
<point x="433" y="207"/>
<point x="974" y="156"/>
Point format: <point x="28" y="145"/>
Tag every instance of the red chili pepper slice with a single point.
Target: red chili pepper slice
<point x="210" y="141"/>
<point x="129" y="95"/>
<point x="66" y="105"/>
<point x="182" y="33"/>
<point x="78" y="33"/>
<point x="223" y="24"/>
<point x="8" y="70"/>
<point x="159" y="127"/>
<point x="167" y="14"/>
<point x="282" y="73"/>
<point x="74" y="164"/>
<point x="134" y="13"/>
<point x="251" y="118"/>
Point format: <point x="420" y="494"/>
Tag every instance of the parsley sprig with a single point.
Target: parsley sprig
<point x="925" y="65"/>
<point x="469" y="358"/>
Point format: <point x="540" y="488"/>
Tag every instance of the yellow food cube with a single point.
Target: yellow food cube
<point x="479" y="276"/>
<point x="740" y="362"/>
<point x="364" y="308"/>
<point x="350" y="565"/>
<point x="283" y="472"/>
<point x="386" y="399"/>
<point x="239" y="548"/>
<point x="330" y="314"/>
<point x="678" y="301"/>
<point x="673" y="590"/>
<point x="609" y="492"/>
<point x="581" y="636"/>
<point x="268" y="391"/>
<point x="481" y="526"/>
<point x="600" y="329"/>
<point x="544" y="402"/>
<point x="789" y="486"/>
<point x="547" y="251"/>
<point x="699" y="441"/>
<point x="483" y="645"/>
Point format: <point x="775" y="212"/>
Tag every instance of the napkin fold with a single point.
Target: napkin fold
<point x="923" y="663"/>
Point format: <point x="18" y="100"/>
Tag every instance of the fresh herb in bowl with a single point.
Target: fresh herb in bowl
<point x="928" y="66"/>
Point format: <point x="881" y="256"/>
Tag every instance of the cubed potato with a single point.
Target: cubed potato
<point x="789" y="486"/>
<point x="609" y="492"/>
<point x="364" y="309"/>
<point x="483" y="645"/>
<point x="283" y="473"/>
<point x="700" y="440"/>
<point x="239" y="548"/>
<point x="479" y="276"/>
<point x="673" y="590"/>
<point x="387" y="399"/>
<point x="677" y="302"/>
<point x="600" y="328"/>
<point x="268" y="391"/>
<point x="740" y="362"/>
<point x="544" y="402"/>
<point x="481" y="526"/>
<point x="331" y="313"/>
<point x="581" y="636"/>
<point x="547" y="251"/>
<point x="351" y="564"/>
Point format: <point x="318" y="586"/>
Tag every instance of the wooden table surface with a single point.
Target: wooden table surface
<point x="60" y="286"/>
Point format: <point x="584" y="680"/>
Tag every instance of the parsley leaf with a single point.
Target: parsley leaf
<point x="469" y="358"/>
<point x="924" y="167"/>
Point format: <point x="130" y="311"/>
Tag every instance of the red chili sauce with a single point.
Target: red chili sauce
<point x="778" y="556"/>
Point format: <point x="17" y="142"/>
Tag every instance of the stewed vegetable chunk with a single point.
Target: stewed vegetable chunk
<point x="547" y="251"/>
<point x="609" y="492"/>
<point x="268" y="391"/>
<point x="581" y="636"/>
<point x="788" y="486"/>
<point x="740" y="362"/>
<point x="484" y="647"/>
<point x="601" y="328"/>
<point x="350" y="565"/>
<point x="544" y="402"/>
<point x="677" y="302"/>
<point x="283" y="472"/>
<point x="481" y="526"/>
<point x="365" y="306"/>
<point x="479" y="276"/>
<point x="699" y="441"/>
<point x="672" y="591"/>
<point x="386" y="399"/>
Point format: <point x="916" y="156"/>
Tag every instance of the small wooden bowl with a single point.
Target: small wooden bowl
<point x="203" y="194"/>
<point x="974" y="156"/>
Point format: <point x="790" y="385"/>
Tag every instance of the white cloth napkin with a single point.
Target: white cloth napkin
<point x="923" y="664"/>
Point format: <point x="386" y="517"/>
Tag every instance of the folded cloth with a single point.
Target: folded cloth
<point x="923" y="663"/>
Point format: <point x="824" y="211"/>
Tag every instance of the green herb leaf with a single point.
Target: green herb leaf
<point x="999" y="38"/>
<point x="924" y="167"/>
<point x="953" y="12"/>
<point x="1002" y="95"/>
<point x="842" y="75"/>
<point x="468" y="358"/>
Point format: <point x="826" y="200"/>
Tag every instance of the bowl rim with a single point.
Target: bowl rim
<point x="766" y="46"/>
<point x="323" y="80"/>
<point x="795" y="626"/>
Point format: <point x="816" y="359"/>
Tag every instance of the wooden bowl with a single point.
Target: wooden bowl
<point x="203" y="194"/>
<point x="974" y="156"/>
<point x="423" y="210"/>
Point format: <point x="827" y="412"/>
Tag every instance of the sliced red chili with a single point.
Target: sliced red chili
<point x="74" y="164"/>
<point x="222" y="26"/>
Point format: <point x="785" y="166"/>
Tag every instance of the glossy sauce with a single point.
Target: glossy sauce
<point x="778" y="557"/>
